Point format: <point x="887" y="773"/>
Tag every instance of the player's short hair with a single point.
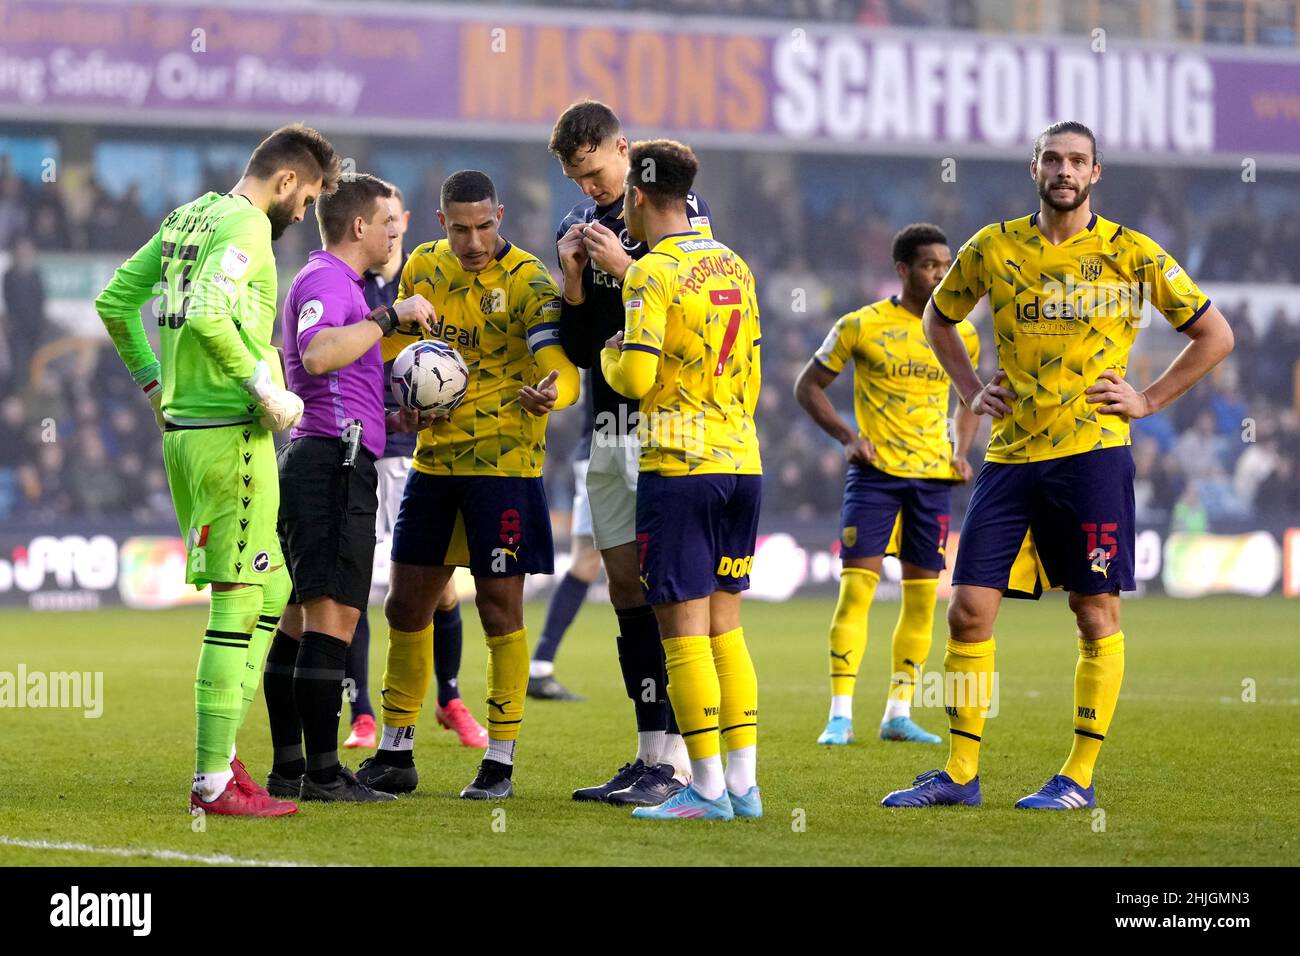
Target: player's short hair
<point x="663" y="169"/>
<point x="468" y="185"/>
<point x="355" y="196"/>
<point x="300" y="148"/>
<point x="1067" y="126"/>
<point x="397" y="193"/>
<point x="910" y="238"/>
<point x="583" y="127"/>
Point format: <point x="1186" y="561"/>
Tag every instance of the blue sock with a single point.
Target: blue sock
<point x="446" y="654"/>
<point x="358" y="668"/>
<point x="565" y="604"/>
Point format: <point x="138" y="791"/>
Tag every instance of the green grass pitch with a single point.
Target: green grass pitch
<point x="1192" y="774"/>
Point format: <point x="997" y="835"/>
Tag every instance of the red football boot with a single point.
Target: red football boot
<point x="245" y="782"/>
<point x="363" y="733"/>
<point x="456" y="716"/>
<point x="235" y="801"/>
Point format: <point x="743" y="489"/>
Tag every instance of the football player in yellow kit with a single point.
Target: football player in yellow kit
<point x="901" y="469"/>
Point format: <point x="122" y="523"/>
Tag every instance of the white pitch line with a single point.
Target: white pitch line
<point x="213" y="859"/>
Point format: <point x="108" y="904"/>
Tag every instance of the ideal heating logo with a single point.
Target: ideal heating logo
<point x="76" y="909"/>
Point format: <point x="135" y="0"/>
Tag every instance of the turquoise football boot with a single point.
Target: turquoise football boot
<point x="838" y="732"/>
<point x="748" y="805"/>
<point x="902" y="728"/>
<point x="688" y="804"/>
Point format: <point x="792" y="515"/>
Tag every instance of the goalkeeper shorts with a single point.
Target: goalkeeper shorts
<point x="227" y="495"/>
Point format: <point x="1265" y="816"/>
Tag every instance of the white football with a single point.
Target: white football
<point x="429" y="376"/>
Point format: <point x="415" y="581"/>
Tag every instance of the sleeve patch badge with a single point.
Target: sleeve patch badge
<point x="234" y="262"/>
<point x="226" y="285"/>
<point x="310" y="313"/>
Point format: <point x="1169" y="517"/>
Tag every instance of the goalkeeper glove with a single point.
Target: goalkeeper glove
<point x="281" y="408"/>
<point x="153" y="392"/>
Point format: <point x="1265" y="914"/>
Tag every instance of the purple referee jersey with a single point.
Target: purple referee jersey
<point x="328" y="294"/>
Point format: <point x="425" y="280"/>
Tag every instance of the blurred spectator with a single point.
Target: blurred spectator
<point x="1254" y="467"/>
<point x="1201" y="451"/>
<point x="14" y="214"/>
<point x="97" y="485"/>
<point x="24" y="321"/>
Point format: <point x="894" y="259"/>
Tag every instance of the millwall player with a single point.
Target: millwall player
<point x="218" y="394"/>
<point x="595" y="250"/>
<point x="690" y="352"/>
<point x="1053" y="504"/>
<point x="475" y="496"/>
<point x="901" y="468"/>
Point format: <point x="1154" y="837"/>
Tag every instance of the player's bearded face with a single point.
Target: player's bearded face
<point x="282" y="214"/>
<point x="1063" y="192"/>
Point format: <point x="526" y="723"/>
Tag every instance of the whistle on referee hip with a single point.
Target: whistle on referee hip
<point x="351" y="442"/>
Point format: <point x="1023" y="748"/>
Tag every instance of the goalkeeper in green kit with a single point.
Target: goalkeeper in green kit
<point x="218" y="394"/>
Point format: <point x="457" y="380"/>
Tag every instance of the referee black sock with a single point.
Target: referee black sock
<point x="277" y="686"/>
<point x="317" y="690"/>
<point x="641" y="658"/>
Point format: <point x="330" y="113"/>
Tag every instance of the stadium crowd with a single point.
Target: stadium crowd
<point x="76" y="439"/>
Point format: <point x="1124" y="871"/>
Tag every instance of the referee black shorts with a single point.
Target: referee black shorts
<point x="327" y="521"/>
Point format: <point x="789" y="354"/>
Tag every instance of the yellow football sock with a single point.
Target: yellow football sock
<point x="407" y="673"/>
<point x="507" y="683"/>
<point x="912" y="636"/>
<point x="849" y="628"/>
<point x="695" y="692"/>
<point x="738" y="682"/>
<point x="968" y="670"/>
<point x="1097" y="678"/>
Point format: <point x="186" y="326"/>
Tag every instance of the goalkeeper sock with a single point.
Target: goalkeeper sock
<point x="911" y="644"/>
<point x="218" y="693"/>
<point x="1097" y="679"/>
<point x="275" y="595"/>
<point x="507" y="684"/>
<point x="967" y="672"/>
<point x="277" y="688"/>
<point x="848" y="636"/>
<point x="448" y="641"/>
<point x="317" y="690"/>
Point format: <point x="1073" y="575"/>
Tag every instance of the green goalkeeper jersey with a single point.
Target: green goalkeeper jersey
<point x="212" y="267"/>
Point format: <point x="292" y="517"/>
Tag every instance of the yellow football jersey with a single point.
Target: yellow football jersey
<point x="691" y="301"/>
<point x="498" y="319"/>
<point x="1062" y="315"/>
<point x="900" y="391"/>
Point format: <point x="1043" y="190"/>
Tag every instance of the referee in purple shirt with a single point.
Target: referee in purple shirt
<point x="333" y="361"/>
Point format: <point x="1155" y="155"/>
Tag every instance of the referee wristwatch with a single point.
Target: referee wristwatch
<point x="384" y="316"/>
